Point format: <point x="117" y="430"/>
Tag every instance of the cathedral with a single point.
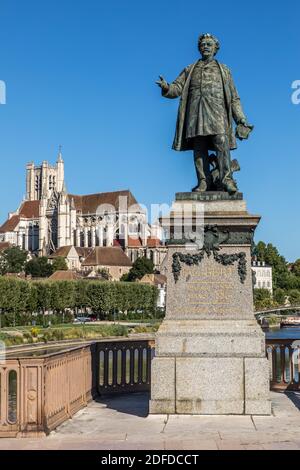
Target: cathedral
<point x="49" y="218"/>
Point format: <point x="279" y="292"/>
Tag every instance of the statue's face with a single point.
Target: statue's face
<point x="207" y="48"/>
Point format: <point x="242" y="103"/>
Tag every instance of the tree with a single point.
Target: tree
<point x="139" y="268"/>
<point x="294" y="297"/>
<point x="271" y="256"/>
<point x="12" y="260"/>
<point x="39" y="267"/>
<point x="279" y="296"/>
<point x="44" y="295"/>
<point x="65" y="295"/>
<point x="296" y="268"/>
<point x="81" y="299"/>
<point x="262" y="299"/>
<point x="59" y="264"/>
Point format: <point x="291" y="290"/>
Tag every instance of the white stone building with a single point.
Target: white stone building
<point x="263" y="275"/>
<point x="160" y="282"/>
<point x="50" y="218"/>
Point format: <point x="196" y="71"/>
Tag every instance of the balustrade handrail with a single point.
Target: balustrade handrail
<point x="284" y="359"/>
<point x="40" y="392"/>
<point x="286" y="341"/>
<point x="66" y="345"/>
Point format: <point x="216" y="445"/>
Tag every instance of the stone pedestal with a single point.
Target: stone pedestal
<point x="210" y="352"/>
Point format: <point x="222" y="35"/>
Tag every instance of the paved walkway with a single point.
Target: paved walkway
<point x="121" y="422"/>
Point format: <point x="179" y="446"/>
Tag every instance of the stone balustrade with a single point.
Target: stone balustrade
<point x="40" y="390"/>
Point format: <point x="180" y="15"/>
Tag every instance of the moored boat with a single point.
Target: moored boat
<point x="290" y="321"/>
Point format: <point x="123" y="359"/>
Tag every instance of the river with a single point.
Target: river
<point x="292" y="332"/>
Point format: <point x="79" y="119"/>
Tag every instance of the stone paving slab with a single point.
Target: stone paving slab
<point x="122" y="422"/>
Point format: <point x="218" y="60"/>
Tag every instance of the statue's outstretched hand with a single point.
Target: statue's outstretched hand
<point x="162" y="83"/>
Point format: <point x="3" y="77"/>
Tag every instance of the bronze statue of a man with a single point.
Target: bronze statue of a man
<point x="208" y="105"/>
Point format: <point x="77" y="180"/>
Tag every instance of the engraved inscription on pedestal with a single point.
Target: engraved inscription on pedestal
<point x="209" y="289"/>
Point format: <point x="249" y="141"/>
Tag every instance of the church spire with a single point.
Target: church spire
<point x="59" y="156"/>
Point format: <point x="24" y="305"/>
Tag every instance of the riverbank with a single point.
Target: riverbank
<point x="65" y="332"/>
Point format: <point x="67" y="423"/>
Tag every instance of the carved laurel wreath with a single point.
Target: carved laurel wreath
<point x="212" y="239"/>
<point x="223" y="259"/>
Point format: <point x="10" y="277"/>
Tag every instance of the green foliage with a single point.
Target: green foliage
<point x="296" y="268"/>
<point x="139" y="268"/>
<point x="262" y="299"/>
<point x="15" y="295"/>
<point x="59" y="264"/>
<point x="12" y="260"/>
<point x="53" y="335"/>
<point x="106" y="297"/>
<point x="20" y="298"/>
<point x="147" y="329"/>
<point x="279" y="296"/>
<point x="44" y="295"/>
<point x="284" y="281"/>
<point x="294" y="297"/>
<point x="81" y="299"/>
<point x="63" y="295"/>
<point x="271" y="256"/>
<point x="39" y="267"/>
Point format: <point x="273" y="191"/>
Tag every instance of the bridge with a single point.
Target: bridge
<point x="280" y="308"/>
<point x="42" y="387"/>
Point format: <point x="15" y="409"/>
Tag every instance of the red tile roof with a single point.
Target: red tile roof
<point x="10" y="224"/>
<point x="63" y="251"/>
<point x="134" y="242"/>
<point x="64" y="276"/>
<point x="4" y="245"/>
<point x="30" y="209"/>
<point x="107" y="256"/>
<point x="153" y="242"/>
<point x="89" y="203"/>
<point x="83" y="251"/>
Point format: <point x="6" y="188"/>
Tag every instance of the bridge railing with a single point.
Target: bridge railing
<point x="37" y="393"/>
<point x="124" y="366"/>
<point x="284" y="359"/>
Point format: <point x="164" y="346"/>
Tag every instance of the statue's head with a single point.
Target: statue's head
<point x="208" y="45"/>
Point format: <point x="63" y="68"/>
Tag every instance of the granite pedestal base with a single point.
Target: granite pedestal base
<point x="210" y="352"/>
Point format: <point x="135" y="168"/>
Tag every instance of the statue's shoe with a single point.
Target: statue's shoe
<point x="230" y="186"/>
<point x="201" y="188"/>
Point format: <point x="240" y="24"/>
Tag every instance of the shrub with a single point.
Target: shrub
<point x="35" y="332"/>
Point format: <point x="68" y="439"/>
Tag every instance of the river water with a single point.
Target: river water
<point x="291" y="332"/>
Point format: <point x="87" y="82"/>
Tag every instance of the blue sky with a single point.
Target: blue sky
<point x="81" y="74"/>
